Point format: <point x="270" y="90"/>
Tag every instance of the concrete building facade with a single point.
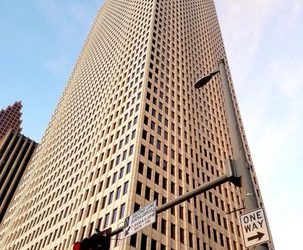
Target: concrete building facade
<point x="16" y="151"/>
<point x="130" y="128"/>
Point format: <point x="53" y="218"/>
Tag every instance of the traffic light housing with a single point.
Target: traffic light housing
<point x="98" y="241"/>
<point x="77" y="246"/>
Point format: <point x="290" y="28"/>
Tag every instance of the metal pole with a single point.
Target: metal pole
<point x="242" y="166"/>
<point x="199" y="190"/>
<point x="229" y="176"/>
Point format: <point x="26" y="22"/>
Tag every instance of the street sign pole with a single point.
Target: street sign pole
<point x="242" y="166"/>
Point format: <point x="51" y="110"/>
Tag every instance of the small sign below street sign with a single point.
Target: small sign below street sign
<point x="139" y="220"/>
<point x="254" y="228"/>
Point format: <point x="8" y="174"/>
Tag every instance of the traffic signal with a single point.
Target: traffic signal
<point x="77" y="246"/>
<point x="98" y="241"/>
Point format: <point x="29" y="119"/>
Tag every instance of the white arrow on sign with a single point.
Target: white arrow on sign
<point x="254" y="228"/>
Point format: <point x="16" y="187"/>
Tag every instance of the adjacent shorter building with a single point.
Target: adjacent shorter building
<point x="16" y="151"/>
<point x="10" y="118"/>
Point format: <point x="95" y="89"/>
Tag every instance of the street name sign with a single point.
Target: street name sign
<point x="140" y="219"/>
<point x="254" y="228"/>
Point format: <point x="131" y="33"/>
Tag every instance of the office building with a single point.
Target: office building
<point x="10" y="118"/>
<point x="130" y="128"/>
<point x="16" y="151"/>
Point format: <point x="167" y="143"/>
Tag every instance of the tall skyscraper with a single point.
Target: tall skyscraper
<point x="130" y="128"/>
<point x="10" y="118"/>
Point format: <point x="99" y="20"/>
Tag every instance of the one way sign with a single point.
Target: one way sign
<point x="254" y="228"/>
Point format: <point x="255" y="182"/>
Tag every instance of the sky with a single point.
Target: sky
<point x="40" y="41"/>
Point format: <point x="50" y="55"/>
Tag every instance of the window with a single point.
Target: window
<point x="172" y="169"/>
<point x="139" y="188"/>
<point x="141" y="168"/>
<point x="157" y="176"/>
<point x="131" y="150"/>
<point x="121" y="173"/>
<point x="158" y="145"/>
<point x="172" y="188"/>
<point x="96" y="206"/>
<point x="122" y="211"/>
<point x="124" y="155"/>
<point x="133" y="240"/>
<point x="118" y="159"/>
<point x="143" y="241"/>
<point x="103" y="202"/>
<point x="114" y="178"/>
<point x="150" y="155"/>
<point x="153" y="244"/>
<point x="125" y="188"/>
<point x="106" y="221"/>
<point x="163" y="226"/>
<point x="110" y="197"/>
<point x="189" y="217"/>
<point x="157" y="160"/>
<point x="114" y="216"/>
<point x="144" y="134"/>
<point x="107" y="182"/>
<point x="147" y="193"/>
<point x="182" y="235"/>
<point x="148" y="173"/>
<point x="181" y="213"/>
<point x="151" y="139"/>
<point x="190" y="239"/>
<point x="164" y="183"/>
<point x="88" y="210"/>
<point x="136" y="207"/>
<point x="128" y="167"/>
<point x="173" y="231"/>
<point x="118" y="192"/>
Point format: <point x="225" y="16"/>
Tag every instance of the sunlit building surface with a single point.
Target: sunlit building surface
<point x="129" y="129"/>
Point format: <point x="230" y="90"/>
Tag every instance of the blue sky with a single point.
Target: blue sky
<point x="41" y="39"/>
<point x="40" y="42"/>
